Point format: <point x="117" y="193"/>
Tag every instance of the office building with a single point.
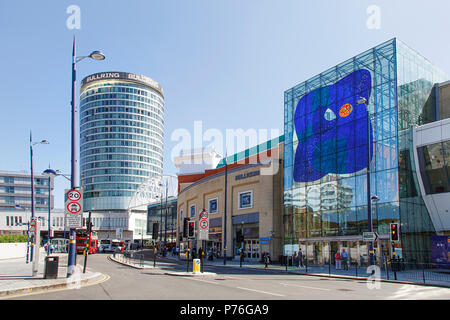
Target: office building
<point x="121" y="147"/>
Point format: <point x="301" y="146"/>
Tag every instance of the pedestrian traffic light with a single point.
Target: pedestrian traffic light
<point x="185" y="227"/>
<point x="191" y="229"/>
<point x="394" y="232"/>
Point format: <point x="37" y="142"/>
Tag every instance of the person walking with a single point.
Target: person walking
<point x="300" y="258"/>
<point x="295" y="259"/>
<point x="266" y="260"/>
<point x="344" y="257"/>
<point x="337" y="258"/>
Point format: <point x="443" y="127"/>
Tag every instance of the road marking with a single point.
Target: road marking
<point x="273" y="294"/>
<point x="205" y="281"/>
<point x="242" y="288"/>
<point x="306" y="287"/>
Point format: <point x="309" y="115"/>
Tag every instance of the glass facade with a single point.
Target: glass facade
<point x="156" y="221"/>
<point x="121" y="139"/>
<point x="336" y="123"/>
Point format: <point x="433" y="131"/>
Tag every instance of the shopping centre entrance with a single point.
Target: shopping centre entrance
<point x="320" y="251"/>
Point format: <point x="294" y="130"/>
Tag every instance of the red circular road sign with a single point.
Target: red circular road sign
<point x="73" y="207"/>
<point x="204" y="224"/>
<point x="204" y="215"/>
<point x="73" y="195"/>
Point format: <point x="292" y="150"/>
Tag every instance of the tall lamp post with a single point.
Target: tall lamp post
<point x="52" y="173"/>
<point x="32" y="186"/>
<point x="165" y="220"/>
<point x="225" y="214"/>
<point x="95" y="55"/>
<point x="363" y="100"/>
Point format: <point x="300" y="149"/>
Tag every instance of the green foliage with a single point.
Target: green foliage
<point x="11" y="238"/>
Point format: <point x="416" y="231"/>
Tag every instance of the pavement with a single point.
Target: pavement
<point x="432" y="277"/>
<point x="16" y="277"/>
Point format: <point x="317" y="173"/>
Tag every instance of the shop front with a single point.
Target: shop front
<point x="320" y="251"/>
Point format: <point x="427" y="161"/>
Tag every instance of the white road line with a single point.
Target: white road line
<point x="201" y="280"/>
<point x="273" y="294"/>
<point x="242" y="288"/>
<point x="306" y="287"/>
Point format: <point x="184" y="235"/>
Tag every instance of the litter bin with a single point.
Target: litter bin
<point x="51" y="267"/>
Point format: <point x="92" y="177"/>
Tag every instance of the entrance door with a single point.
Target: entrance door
<point x="318" y="253"/>
<point x="252" y="248"/>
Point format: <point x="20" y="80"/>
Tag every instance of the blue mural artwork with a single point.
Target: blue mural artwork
<point x="332" y="129"/>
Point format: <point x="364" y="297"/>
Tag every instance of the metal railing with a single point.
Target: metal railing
<point x="132" y="258"/>
<point x="394" y="270"/>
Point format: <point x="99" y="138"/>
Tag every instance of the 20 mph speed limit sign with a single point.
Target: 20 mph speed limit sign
<point x="74" y="195"/>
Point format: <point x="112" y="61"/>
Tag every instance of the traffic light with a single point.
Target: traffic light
<point x="191" y="233"/>
<point x="185" y="227"/>
<point x="394" y="232"/>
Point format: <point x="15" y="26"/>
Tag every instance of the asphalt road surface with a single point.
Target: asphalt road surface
<point x="126" y="283"/>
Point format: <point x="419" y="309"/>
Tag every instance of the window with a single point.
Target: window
<point x="213" y="205"/>
<point x="245" y="199"/>
<point x="433" y="161"/>
<point x="7" y="221"/>
<point x="192" y="211"/>
<point x="181" y="215"/>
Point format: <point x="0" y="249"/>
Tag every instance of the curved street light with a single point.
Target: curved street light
<point x="32" y="186"/>
<point x="95" y="55"/>
<point x="363" y="100"/>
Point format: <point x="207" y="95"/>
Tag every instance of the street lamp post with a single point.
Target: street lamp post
<point x="225" y="215"/>
<point x="52" y="173"/>
<point x="363" y="100"/>
<point x="32" y="186"/>
<point x="165" y="220"/>
<point x="95" y="55"/>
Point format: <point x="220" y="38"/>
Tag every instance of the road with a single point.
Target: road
<point x="125" y="283"/>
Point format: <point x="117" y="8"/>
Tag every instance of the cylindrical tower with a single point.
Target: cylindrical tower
<point x="121" y="137"/>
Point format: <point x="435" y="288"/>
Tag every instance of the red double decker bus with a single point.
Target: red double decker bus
<point x="81" y="237"/>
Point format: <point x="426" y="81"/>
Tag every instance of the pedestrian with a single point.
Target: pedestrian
<point x="266" y="259"/>
<point x="51" y="248"/>
<point x="337" y="258"/>
<point x="301" y="258"/>
<point x="344" y="257"/>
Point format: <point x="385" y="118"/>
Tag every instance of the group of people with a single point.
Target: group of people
<point x="341" y="260"/>
<point x="51" y="247"/>
<point x="298" y="259"/>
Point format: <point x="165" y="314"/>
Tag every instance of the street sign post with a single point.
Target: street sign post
<point x="203" y="231"/>
<point x="73" y="209"/>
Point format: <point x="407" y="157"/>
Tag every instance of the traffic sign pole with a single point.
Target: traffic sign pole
<point x="74" y="205"/>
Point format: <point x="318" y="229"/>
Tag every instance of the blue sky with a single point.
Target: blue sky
<point x="225" y="63"/>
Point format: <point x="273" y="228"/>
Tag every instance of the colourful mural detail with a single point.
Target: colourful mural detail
<point x="332" y="129"/>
